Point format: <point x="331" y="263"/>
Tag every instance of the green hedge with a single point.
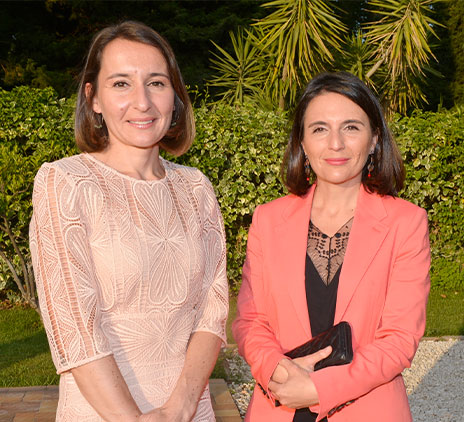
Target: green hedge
<point x="432" y="146"/>
<point x="240" y="150"/>
<point x="35" y="126"/>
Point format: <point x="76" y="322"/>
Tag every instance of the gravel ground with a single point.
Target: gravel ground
<point x="435" y="381"/>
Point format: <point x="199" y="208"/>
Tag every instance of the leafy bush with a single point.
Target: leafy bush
<point x="240" y="149"/>
<point x="432" y="146"/>
<point x="35" y="126"/>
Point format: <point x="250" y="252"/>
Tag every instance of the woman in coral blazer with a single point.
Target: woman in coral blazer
<point x="364" y="259"/>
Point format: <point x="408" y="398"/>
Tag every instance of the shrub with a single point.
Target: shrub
<point x="35" y="126"/>
<point x="240" y="149"/>
<point x="432" y="145"/>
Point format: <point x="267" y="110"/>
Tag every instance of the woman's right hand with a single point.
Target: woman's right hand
<point x="290" y="382"/>
<point x="307" y="363"/>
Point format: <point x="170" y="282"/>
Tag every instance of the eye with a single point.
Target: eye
<point x="318" y="129"/>
<point x="120" y="84"/>
<point x="157" y="83"/>
<point x="352" y="128"/>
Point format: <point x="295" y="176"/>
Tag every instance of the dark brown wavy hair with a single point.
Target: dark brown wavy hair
<point x="388" y="175"/>
<point x="90" y="137"/>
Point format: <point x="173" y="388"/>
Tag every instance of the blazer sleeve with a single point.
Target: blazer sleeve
<point x="64" y="272"/>
<point x="401" y="326"/>
<point x="213" y="309"/>
<point x="255" y="338"/>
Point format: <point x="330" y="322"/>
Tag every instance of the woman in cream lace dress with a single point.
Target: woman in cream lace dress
<point x="128" y="248"/>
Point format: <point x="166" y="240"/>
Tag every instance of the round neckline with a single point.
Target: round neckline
<point x="125" y="176"/>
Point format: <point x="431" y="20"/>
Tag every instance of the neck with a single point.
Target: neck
<point x="335" y="200"/>
<point x="140" y="163"/>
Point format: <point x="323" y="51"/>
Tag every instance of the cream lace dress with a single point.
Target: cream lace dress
<point x="129" y="268"/>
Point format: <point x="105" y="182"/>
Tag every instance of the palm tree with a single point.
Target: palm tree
<point x="239" y="75"/>
<point x="401" y="39"/>
<point x="300" y="38"/>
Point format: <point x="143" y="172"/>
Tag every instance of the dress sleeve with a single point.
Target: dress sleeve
<point x="213" y="309"/>
<point x="64" y="272"/>
<point x="255" y="337"/>
<point x="401" y="326"/>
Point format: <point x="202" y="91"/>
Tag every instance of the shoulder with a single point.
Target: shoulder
<point x="279" y="205"/>
<point x="192" y="175"/>
<point x="186" y="172"/>
<point x="400" y="209"/>
<point x="403" y="218"/>
<point x="192" y="182"/>
<point x="69" y="167"/>
<point x="271" y="214"/>
<point x="59" y="179"/>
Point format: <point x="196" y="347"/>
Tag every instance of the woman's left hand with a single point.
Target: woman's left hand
<point x="298" y="390"/>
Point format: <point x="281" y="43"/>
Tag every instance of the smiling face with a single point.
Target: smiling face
<point x="337" y="139"/>
<point x="134" y="94"/>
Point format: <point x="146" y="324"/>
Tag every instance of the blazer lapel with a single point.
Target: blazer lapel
<point x="291" y="242"/>
<point x="366" y="236"/>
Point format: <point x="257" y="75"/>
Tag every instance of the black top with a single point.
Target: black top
<point x="324" y="259"/>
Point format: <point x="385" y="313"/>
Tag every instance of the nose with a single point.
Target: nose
<point x="336" y="141"/>
<point x="142" y="100"/>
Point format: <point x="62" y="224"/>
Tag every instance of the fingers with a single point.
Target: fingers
<point x="324" y="353"/>
<point x="280" y="374"/>
<point x="288" y="365"/>
<point x="298" y="391"/>
<point x="308" y="362"/>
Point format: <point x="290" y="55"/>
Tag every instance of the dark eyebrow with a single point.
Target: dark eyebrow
<point x="321" y="122"/>
<point x="126" y="75"/>
<point x="354" y="121"/>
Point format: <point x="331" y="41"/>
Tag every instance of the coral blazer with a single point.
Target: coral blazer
<point x="382" y="293"/>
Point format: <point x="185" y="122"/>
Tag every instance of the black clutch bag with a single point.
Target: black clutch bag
<point x="339" y="337"/>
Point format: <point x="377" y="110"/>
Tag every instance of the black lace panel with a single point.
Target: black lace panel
<point x="326" y="252"/>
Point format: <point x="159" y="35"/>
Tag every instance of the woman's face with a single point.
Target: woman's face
<point x="134" y="94"/>
<point x="337" y="139"/>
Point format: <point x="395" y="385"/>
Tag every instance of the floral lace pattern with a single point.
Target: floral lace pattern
<point x="326" y="252"/>
<point x="130" y="268"/>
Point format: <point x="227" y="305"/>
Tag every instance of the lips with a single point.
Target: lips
<point x="141" y="124"/>
<point x="336" y="161"/>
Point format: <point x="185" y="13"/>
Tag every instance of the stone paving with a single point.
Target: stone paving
<point x="38" y="404"/>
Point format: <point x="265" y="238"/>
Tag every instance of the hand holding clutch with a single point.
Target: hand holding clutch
<point x="298" y="390"/>
<point x="338" y="337"/>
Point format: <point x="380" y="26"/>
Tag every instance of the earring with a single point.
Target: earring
<point x="98" y="124"/>
<point x="307" y="168"/>
<point x="370" y="166"/>
<point x="174" y="117"/>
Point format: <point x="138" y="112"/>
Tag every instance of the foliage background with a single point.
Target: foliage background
<point x="43" y="42"/>
<point x="240" y="149"/>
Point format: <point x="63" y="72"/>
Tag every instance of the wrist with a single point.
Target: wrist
<point x="181" y="406"/>
<point x="280" y="374"/>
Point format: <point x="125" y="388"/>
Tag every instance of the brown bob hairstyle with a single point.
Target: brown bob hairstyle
<point x="91" y="132"/>
<point x="388" y="175"/>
